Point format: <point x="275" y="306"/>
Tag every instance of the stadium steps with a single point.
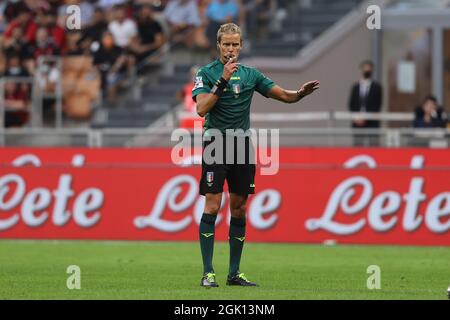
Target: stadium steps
<point x="157" y="99"/>
<point x="301" y="26"/>
<point x="134" y="115"/>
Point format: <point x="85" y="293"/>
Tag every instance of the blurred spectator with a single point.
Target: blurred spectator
<point x="16" y="93"/>
<point x="48" y="76"/>
<point x="219" y="12"/>
<point x="16" y="101"/>
<point x="200" y="38"/>
<point x="43" y="46"/>
<point x="111" y="61"/>
<point x="93" y="33"/>
<point x="55" y="32"/>
<point x="72" y="44"/>
<point x="258" y="14"/>
<point x="366" y="96"/>
<point x="150" y="34"/>
<point x="430" y="115"/>
<point x="11" y="9"/>
<point x="14" y="67"/>
<point x="121" y="27"/>
<point x="25" y="23"/>
<point x="183" y="17"/>
<point x="17" y="45"/>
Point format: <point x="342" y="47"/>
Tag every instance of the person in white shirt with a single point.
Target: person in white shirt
<point x="122" y="28"/>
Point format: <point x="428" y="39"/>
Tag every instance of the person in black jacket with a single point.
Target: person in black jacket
<point x="430" y="115"/>
<point x="366" y="96"/>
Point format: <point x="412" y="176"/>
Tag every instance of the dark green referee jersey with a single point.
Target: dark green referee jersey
<point x="232" y="110"/>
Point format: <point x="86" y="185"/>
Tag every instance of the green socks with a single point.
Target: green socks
<point x="207" y="226"/>
<point x="236" y="238"/>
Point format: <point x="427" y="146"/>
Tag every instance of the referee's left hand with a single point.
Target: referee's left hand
<point x="309" y="87"/>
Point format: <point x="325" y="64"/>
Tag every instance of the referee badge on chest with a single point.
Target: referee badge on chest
<point x="236" y="89"/>
<point x="209" y="178"/>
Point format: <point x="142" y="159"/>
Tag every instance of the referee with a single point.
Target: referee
<point x="223" y="91"/>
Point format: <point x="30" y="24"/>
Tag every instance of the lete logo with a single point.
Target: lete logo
<point x="383" y="205"/>
<point x="13" y="192"/>
<point x="261" y="209"/>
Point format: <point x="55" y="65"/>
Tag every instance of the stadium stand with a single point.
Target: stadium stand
<point x="300" y="25"/>
<point x="73" y="79"/>
<point x="147" y="91"/>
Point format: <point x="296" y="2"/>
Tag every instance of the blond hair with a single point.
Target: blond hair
<point x="228" y="28"/>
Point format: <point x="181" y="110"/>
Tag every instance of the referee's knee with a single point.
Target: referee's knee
<point x="212" y="208"/>
<point x="238" y="212"/>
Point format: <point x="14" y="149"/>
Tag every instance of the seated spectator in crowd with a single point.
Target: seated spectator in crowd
<point x="218" y="13"/>
<point x="122" y="28"/>
<point x="201" y="41"/>
<point x="14" y="67"/>
<point x="111" y="62"/>
<point x="150" y="34"/>
<point x="430" y="115"/>
<point x="16" y="102"/>
<point x="43" y="46"/>
<point x="55" y="32"/>
<point x="11" y="9"/>
<point x="24" y="22"/>
<point x="183" y="18"/>
<point x="17" y="45"/>
<point x="93" y="33"/>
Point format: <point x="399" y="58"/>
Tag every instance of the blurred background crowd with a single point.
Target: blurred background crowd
<point x="102" y="74"/>
<point x="115" y="37"/>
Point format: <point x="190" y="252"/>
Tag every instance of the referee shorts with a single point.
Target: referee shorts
<point x="240" y="177"/>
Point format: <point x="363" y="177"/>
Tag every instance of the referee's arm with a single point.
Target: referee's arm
<point x="291" y="96"/>
<point x="205" y="102"/>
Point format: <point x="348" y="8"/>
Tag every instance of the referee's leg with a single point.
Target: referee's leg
<point x="237" y="231"/>
<point x="236" y="239"/>
<point x="206" y="235"/>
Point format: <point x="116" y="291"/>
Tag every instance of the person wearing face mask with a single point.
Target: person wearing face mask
<point x="366" y="96"/>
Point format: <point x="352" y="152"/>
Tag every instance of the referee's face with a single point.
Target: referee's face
<point x="230" y="46"/>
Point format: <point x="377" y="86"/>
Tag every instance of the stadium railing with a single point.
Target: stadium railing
<point x="292" y="135"/>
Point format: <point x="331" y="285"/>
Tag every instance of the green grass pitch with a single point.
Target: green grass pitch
<point x="172" y="270"/>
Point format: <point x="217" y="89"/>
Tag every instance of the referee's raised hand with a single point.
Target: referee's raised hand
<point x="308" y="88"/>
<point x="229" y="68"/>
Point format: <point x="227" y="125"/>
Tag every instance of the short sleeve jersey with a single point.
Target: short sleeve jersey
<point x="232" y="110"/>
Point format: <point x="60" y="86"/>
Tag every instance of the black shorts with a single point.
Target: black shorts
<point x="240" y="176"/>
